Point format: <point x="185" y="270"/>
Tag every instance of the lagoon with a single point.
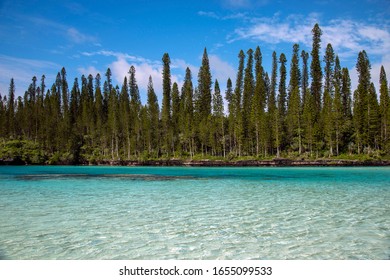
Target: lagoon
<point x="103" y="212"/>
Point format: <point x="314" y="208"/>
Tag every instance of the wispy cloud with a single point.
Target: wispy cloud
<point x="121" y="55"/>
<point x="71" y="33"/>
<point x="242" y="4"/>
<point x="209" y="14"/>
<point x="79" y="38"/>
<point x="214" y="15"/>
<point x="221" y="69"/>
<point x="22" y="70"/>
<point x="89" y="70"/>
<point x="348" y="37"/>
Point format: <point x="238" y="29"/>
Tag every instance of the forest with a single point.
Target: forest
<point x="315" y="114"/>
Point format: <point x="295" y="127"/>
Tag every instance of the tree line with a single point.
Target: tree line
<point x="314" y="114"/>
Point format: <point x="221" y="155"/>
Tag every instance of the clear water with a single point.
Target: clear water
<point x="51" y="212"/>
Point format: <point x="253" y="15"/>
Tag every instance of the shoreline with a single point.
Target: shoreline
<point x="280" y="162"/>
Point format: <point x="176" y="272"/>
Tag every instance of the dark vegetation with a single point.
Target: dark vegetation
<point x="312" y="115"/>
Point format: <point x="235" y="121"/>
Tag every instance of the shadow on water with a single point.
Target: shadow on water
<point x="3" y="256"/>
<point x="142" y="177"/>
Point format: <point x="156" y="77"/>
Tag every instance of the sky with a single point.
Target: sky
<point x="86" y="37"/>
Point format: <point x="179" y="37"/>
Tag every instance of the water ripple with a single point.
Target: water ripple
<point x="185" y="214"/>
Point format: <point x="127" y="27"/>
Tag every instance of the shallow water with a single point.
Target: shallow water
<point x="50" y="212"/>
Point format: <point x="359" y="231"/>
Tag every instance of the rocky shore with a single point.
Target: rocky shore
<point x="248" y="163"/>
<point x="221" y="163"/>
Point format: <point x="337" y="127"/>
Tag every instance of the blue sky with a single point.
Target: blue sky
<point x="86" y="37"/>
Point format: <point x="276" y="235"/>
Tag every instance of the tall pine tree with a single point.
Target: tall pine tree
<point x="384" y="110"/>
<point x="316" y="85"/>
<point x="166" y="105"/>
<point x="247" y="103"/>
<point x="294" y="104"/>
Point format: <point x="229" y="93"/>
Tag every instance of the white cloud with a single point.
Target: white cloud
<point x="120" y="54"/>
<point x="221" y="70"/>
<point x="72" y="34"/>
<point x="219" y="17"/>
<point x="346" y="36"/>
<point x="77" y="37"/>
<point x="181" y="65"/>
<point x="22" y="70"/>
<point x="89" y="70"/>
<point x="120" y="68"/>
<point x="208" y="14"/>
<point x="144" y="68"/>
<point x="239" y="4"/>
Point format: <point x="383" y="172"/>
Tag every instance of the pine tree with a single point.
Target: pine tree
<point x="258" y="62"/>
<point x="187" y="124"/>
<point x="204" y="90"/>
<point x="3" y="117"/>
<point x="75" y="136"/>
<point x="124" y="120"/>
<point x="99" y="117"/>
<point x="19" y="121"/>
<point x="258" y="119"/>
<point x="315" y="70"/>
<point x="346" y="103"/>
<point x="247" y="103"/>
<point x="10" y="124"/>
<point x="204" y="86"/>
<point x="316" y="85"/>
<point x="273" y="119"/>
<point x="337" y="114"/>
<point x="294" y="104"/>
<point x="361" y="99"/>
<point x="384" y="109"/>
<point x="135" y="108"/>
<point x="113" y="122"/>
<point x="90" y="106"/>
<point x="307" y="106"/>
<point x="267" y="130"/>
<point x="166" y="105"/>
<point x="74" y="105"/>
<point x="305" y="75"/>
<point x="175" y="116"/>
<point x="144" y="135"/>
<point x="56" y="121"/>
<point x="219" y="118"/>
<point x="84" y="105"/>
<point x="373" y="118"/>
<point x="229" y="97"/>
<point x="327" y="111"/>
<point x="281" y="110"/>
<point x="153" y="114"/>
<point x="66" y="125"/>
<point x="237" y="97"/>
<point x="39" y="111"/>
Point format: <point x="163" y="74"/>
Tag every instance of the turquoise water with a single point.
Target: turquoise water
<point x="49" y="212"/>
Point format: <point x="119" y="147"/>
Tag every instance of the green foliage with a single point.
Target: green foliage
<point x="265" y="117"/>
<point x="166" y="105"/>
<point x="204" y="87"/>
<point x="22" y="151"/>
<point x="316" y="71"/>
<point x="247" y="98"/>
